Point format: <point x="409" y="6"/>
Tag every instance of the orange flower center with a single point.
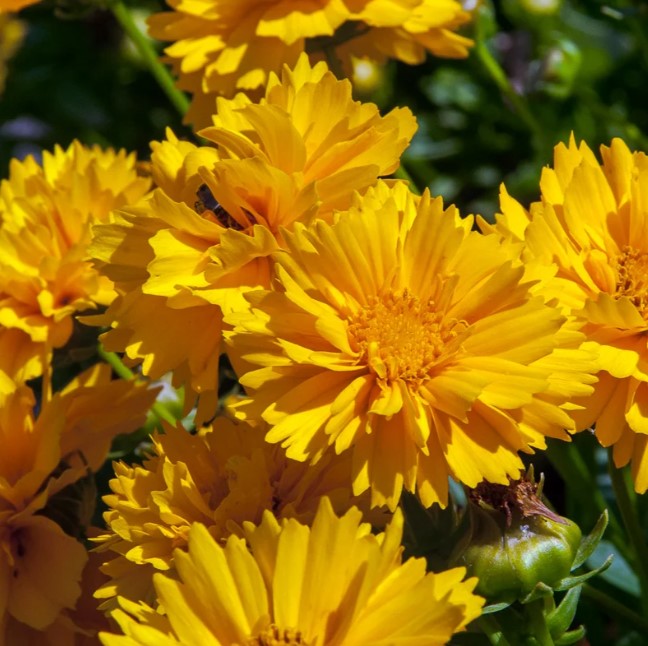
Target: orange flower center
<point x="273" y="636"/>
<point x="632" y="277"/>
<point x="402" y="337"/>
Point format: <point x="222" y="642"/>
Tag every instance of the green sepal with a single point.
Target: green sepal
<point x="571" y="581"/>
<point x="572" y="637"/>
<point x="540" y="591"/>
<point x="588" y="543"/>
<point x="560" y="618"/>
<point x="495" y="607"/>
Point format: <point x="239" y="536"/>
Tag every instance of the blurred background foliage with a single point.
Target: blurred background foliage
<point x="540" y="70"/>
<point x="574" y="66"/>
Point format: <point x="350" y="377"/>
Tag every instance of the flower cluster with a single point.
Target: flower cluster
<point x="238" y="475"/>
<point x="206" y="234"/>
<point x="46" y="213"/>
<point x="382" y="346"/>
<point x="220" y="48"/>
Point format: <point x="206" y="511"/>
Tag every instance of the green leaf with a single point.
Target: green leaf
<point x="619" y="574"/>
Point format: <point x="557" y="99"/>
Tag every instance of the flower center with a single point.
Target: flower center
<point x="402" y="337"/>
<point x="273" y="636"/>
<point x="632" y="277"/>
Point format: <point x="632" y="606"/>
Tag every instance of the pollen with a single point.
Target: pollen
<point x="632" y="277"/>
<point x="402" y="337"/>
<point x="274" y="636"/>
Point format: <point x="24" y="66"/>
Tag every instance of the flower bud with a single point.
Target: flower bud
<point x="515" y="542"/>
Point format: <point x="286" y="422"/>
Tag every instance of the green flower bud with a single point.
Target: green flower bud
<point x="515" y="542"/>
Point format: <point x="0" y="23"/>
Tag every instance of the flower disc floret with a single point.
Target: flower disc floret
<point x="400" y="337"/>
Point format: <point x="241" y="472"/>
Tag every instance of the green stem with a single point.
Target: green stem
<point x="616" y="609"/>
<point x="535" y="612"/>
<point x="402" y="173"/>
<point x="334" y="63"/>
<point x="126" y="373"/>
<point x="569" y="463"/>
<point x="146" y="50"/>
<point x="500" y="79"/>
<point x="633" y="527"/>
<point x="491" y="628"/>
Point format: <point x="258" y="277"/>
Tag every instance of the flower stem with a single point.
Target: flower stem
<point x="616" y="609"/>
<point x="402" y="173"/>
<point x="146" y="50"/>
<point x="633" y="527"/>
<point x="491" y="628"/>
<point x="333" y="61"/>
<point x="124" y="372"/>
<point x="46" y="380"/>
<point x="500" y="79"/>
<point x="538" y="622"/>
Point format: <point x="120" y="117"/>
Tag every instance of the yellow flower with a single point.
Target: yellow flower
<point x="591" y="225"/>
<point x="220" y="478"/>
<point x="331" y="583"/>
<point x="78" y="627"/>
<point x="407" y="30"/>
<point x="12" y="34"/>
<point x="399" y="334"/>
<point x="221" y="48"/>
<point x="40" y="569"/>
<point x="45" y="276"/>
<point x="42" y="461"/>
<point x="204" y="237"/>
<point x="8" y="6"/>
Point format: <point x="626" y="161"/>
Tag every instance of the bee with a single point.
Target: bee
<point x="144" y="169"/>
<point x="207" y="202"/>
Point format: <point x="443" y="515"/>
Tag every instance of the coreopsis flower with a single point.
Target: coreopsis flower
<point x="204" y="237"/>
<point x="407" y="31"/>
<point x="11" y="6"/>
<point x="45" y="275"/>
<point x="42" y="461"/>
<point x="591" y="226"/>
<point x="221" y="477"/>
<point x="221" y="48"/>
<point x="78" y="627"/>
<point x="330" y="583"/>
<point x="12" y="33"/>
<point x="398" y="334"/>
